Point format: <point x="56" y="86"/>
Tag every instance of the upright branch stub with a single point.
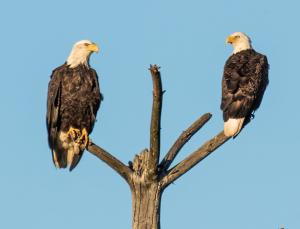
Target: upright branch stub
<point x="155" y="120"/>
<point x="139" y="164"/>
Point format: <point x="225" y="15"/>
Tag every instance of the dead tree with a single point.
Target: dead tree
<point x="146" y="176"/>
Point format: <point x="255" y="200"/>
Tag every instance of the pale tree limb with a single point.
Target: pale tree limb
<point x="110" y="160"/>
<point x="193" y="159"/>
<point x="182" y="140"/>
<point x="155" y="120"/>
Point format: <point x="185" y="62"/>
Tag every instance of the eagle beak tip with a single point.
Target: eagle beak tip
<point x="93" y="48"/>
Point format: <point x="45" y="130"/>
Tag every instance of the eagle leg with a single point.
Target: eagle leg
<point x="84" y="138"/>
<point x="73" y="133"/>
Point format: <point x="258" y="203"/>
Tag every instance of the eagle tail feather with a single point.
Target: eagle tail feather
<point x="59" y="159"/>
<point x="74" y="155"/>
<point x="75" y="161"/>
<point x="233" y="126"/>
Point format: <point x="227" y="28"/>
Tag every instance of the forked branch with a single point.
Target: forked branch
<point x="182" y="140"/>
<point x="193" y="159"/>
<point x="146" y="178"/>
<point x="110" y="160"/>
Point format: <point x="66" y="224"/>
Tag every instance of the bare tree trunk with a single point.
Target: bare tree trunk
<point x="146" y="194"/>
<point x="147" y="177"/>
<point x="146" y="205"/>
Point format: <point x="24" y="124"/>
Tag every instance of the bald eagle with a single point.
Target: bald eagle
<point x="245" y="79"/>
<point x="73" y="101"/>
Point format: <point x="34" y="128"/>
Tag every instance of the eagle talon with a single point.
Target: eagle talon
<point x="84" y="138"/>
<point x="73" y="133"/>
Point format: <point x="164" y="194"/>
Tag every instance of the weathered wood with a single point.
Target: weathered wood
<point x="182" y="140"/>
<point x="155" y="121"/>
<point x="110" y="160"/>
<point x="146" y="194"/>
<point x="193" y="159"/>
<point x="146" y="177"/>
<point x="146" y="206"/>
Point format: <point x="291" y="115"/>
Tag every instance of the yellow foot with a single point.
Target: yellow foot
<point x="73" y="133"/>
<point x="84" y="138"/>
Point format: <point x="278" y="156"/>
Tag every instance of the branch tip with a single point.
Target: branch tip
<point x="154" y="68"/>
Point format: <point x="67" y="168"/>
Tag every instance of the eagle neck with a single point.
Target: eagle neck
<point x="241" y="47"/>
<point x="75" y="60"/>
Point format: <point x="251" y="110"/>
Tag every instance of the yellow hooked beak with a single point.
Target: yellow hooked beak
<point x="230" y="39"/>
<point x="93" y="48"/>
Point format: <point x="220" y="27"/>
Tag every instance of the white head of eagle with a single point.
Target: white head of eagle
<point x="240" y="41"/>
<point x="245" y="79"/>
<point x="73" y="101"/>
<point x="81" y="53"/>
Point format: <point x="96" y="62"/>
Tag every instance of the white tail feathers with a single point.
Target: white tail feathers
<point x="233" y="126"/>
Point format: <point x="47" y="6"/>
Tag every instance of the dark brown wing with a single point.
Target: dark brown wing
<point x="93" y="98"/>
<point x="53" y="110"/>
<point x="262" y="72"/>
<point x="53" y="106"/>
<point x="73" y="101"/>
<point x="96" y="98"/>
<point x="244" y="81"/>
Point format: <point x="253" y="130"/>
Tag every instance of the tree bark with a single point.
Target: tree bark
<point x="146" y="194"/>
<point x="146" y="201"/>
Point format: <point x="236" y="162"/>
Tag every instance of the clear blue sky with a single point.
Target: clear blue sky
<point x="251" y="182"/>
